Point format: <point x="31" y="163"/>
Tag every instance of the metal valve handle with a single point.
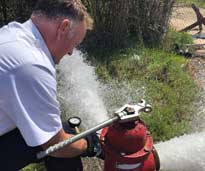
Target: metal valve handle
<point x="124" y="114"/>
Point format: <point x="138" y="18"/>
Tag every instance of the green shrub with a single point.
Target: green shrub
<point x="176" y="40"/>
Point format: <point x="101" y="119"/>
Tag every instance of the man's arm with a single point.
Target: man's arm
<point x="71" y="150"/>
<point x="34" y="108"/>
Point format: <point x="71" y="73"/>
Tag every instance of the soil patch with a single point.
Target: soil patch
<point x="185" y="16"/>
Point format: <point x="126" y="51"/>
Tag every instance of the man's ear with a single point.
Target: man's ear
<point x="63" y="28"/>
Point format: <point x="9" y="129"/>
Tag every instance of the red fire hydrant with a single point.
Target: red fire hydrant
<point x="129" y="147"/>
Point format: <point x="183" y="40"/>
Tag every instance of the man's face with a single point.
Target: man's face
<point x="75" y="36"/>
<point x="69" y="39"/>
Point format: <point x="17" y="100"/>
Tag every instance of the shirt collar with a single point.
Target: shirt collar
<point x="38" y="38"/>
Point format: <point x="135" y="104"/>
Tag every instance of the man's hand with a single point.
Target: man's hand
<point x="72" y="150"/>
<point x="93" y="146"/>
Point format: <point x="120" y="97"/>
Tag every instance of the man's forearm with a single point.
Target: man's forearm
<point x="72" y="150"/>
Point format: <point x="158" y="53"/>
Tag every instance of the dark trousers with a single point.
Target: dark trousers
<point x="15" y="154"/>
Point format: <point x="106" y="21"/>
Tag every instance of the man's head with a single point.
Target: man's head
<point x="63" y="25"/>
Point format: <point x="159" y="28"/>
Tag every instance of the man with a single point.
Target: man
<point x="29" y="111"/>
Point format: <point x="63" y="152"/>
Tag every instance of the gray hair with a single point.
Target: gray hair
<point x="73" y="9"/>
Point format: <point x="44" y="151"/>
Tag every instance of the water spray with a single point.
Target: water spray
<point x="79" y="90"/>
<point x="184" y="153"/>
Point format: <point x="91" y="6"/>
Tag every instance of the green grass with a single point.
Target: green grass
<point x="34" y="167"/>
<point x="176" y="39"/>
<point x="169" y="88"/>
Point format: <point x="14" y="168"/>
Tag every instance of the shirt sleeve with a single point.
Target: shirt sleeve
<point x="33" y="104"/>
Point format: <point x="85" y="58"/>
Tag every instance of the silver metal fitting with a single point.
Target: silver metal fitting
<point x="132" y="112"/>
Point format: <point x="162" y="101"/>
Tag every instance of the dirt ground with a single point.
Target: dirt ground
<point x="181" y="18"/>
<point x="185" y="16"/>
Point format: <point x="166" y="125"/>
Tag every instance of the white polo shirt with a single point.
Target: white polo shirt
<point x="27" y="84"/>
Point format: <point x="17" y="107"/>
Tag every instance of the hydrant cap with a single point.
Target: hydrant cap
<point x="127" y="140"/>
